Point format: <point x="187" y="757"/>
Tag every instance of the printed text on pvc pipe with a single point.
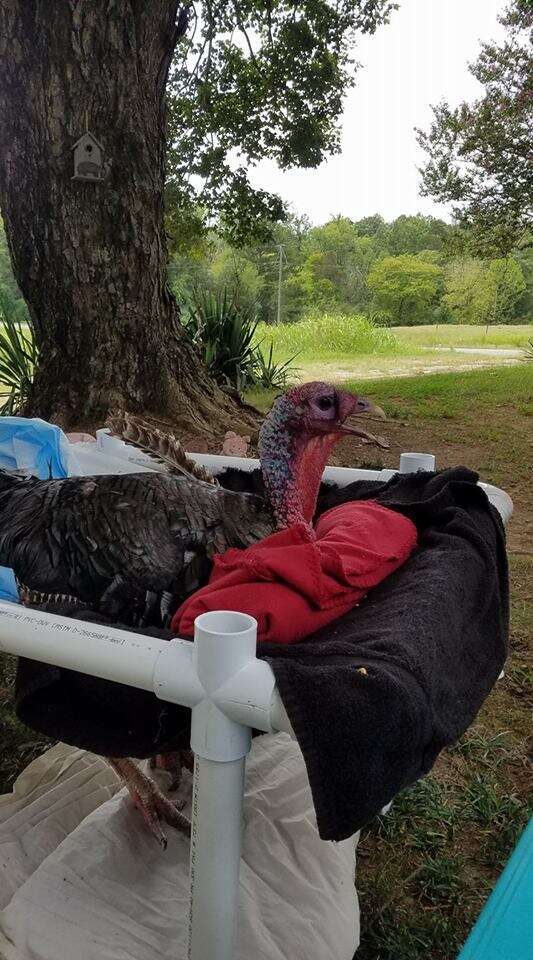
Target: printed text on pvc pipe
<point x="69" y="628"/>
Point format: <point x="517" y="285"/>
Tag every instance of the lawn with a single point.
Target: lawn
<point x="454" y="395"/>
<point x="425" y="870"/>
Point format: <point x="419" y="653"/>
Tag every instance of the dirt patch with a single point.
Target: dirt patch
<point x="378" y="368"/>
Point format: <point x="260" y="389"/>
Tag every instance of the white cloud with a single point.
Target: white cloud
<point x="420" y="58"/>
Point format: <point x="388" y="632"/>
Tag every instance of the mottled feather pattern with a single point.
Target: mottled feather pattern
<point x="164" y="447"/>
<point x="120" y="543"/>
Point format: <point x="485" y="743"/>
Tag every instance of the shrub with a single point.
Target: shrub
<point x="18" y="354"/>
<point x="226" y="335"/>
<point x="269" y="374"/>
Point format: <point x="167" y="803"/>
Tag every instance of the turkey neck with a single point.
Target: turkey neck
<point x="292" y="467"/>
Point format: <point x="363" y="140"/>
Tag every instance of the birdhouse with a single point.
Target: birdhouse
<point x="88" y="159"/>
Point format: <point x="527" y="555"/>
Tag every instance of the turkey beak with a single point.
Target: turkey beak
<point x="352" y="425"/>
<point x="364" y="405"/>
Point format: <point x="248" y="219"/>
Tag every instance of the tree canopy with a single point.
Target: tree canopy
<point x="326" y="269"/>
<point x="479" y="154"/>
<point x="483" y="292"/>
<point x="251" y="80"/>
<point x="405" y="285"/>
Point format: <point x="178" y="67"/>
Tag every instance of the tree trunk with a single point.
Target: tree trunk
<point x="400" y="311"/>
<point x="90" y="257"/>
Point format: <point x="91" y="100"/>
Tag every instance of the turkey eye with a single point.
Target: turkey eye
<point x="325" y="403"/>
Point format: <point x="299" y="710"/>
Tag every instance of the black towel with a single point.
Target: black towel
<point x="372" y="698"/>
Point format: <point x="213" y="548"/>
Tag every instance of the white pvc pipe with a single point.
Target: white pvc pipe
<point x="499" y="499"/>
<point x="248" y="697"/>
<point x="104" y="652"/>
<point x="414" y="462"/>
<point x="116" y="456"/>
<point x="215" y="858"/>
<point x="224" y="645"/>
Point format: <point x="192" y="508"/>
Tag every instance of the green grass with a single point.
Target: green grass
<point x="466" y="335"/>
<point x="347" y="337"/>
<point x="330" y="335"/>
<point x="343" y="348"/>
<point x="426" y="868"/>
<point x="437" y="396"/>
<point x="451" y="395"/>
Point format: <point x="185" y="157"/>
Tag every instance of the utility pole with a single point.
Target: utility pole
<point x="280" y="280"/>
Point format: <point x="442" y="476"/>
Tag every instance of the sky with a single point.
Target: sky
<point x="420" y="58"/>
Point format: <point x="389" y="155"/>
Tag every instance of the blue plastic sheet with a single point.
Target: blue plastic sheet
<point x="504" y="930"/>
<point x="41" y="449"/>
<point x="8" y="587"/>
<point x="34" y="445"/>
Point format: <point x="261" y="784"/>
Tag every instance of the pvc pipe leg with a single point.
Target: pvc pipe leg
<point x="224" y="644"/>
<point x="215" y="857"/>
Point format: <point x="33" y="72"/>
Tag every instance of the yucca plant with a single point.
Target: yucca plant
<point x="271" y="375"/>
<point x="528" y="352"/>
<point x="225" y="335"/>
<point x="18" y="354"/>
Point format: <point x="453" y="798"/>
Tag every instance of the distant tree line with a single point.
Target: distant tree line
<point x="414" y="270"/>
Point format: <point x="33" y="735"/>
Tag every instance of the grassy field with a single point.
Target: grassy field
<point x="425" y="870"/>
<point x="378" y="367"/>
<point x="452" y="395"/>
<point x="343" y="337"/>
<point x="343" y="348"/>
<point x="339" y="335"/>
<point x="329" y="335"/>
<point x="466" y="335"/>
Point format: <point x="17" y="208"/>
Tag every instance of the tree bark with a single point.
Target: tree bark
<point x="90" y="257"/>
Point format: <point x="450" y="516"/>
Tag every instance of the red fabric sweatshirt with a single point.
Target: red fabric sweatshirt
<point x="295" y="580"/>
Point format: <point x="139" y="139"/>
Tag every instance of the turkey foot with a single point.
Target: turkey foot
<point x="173" y="763"/>
<point x="150" y="800"/>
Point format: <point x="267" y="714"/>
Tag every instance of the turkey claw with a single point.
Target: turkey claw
<point x="156" y="808"/>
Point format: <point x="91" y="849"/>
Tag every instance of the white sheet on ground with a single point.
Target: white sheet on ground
<point x="81" y="879"/>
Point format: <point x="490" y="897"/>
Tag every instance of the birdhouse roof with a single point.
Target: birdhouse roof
<point x="85" y="137"/>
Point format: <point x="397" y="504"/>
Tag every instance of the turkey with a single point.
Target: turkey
<point x="132" y="547"/>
